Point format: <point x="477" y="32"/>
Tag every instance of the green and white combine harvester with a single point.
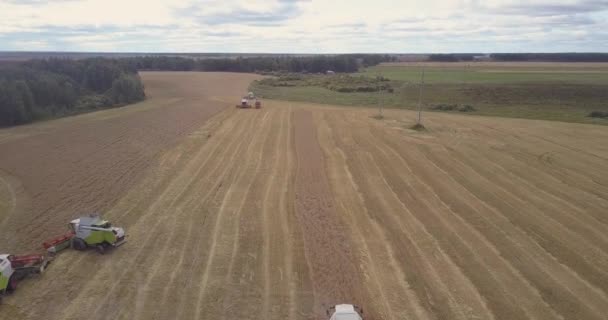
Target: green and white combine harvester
<point x="85" y="232"/>
<point x="94" y="232"/>
<point x="14" y="268"/>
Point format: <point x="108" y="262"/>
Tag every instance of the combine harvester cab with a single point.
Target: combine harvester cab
<point x="345" y="312"/>
<point x="15" y="268"/>
<point x="92" y="231"/>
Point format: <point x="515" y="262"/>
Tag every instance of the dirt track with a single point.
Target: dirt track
<point x="280" y="212"/>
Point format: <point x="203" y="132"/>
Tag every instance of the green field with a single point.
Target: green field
<point x="561" y="92"/>
<point x="472" y="74"/>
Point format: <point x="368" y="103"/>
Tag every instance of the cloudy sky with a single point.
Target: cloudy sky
<point x="304" y="26"/>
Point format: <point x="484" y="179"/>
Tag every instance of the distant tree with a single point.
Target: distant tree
<point x="12" y="107"/>
<point x="127" y="89"/>
<point x="26" y="97"/>
<point x="99" y="75"/>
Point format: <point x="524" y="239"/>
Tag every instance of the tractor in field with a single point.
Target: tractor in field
<point x="345" y="312"/>
<point x="87" y="232"/>
<point x="14" y="268"/>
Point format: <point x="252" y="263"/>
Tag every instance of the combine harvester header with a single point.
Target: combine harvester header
<point x="85" y="232"/>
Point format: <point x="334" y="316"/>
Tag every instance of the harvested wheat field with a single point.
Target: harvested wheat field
<point x="282" y="212"/>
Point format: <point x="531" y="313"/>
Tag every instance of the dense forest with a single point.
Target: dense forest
<point x="39" y="89"/>
<point x="311" y="64"/>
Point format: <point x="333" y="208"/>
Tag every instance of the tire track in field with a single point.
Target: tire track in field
<point x="543" y="231"/>
<point x="580" y="222"/>
<point x="266" y="222"/>
<point x="222" y="244"/>
<point x="554" y="293"/>
<point x="155" y="238"/>
<point x="556" y="184"/>
<point x="287" y="225"/>
<point x="492" y="266"/>
<point x="476" y="221"/>
<point x="520" y="148"/>
<point x="395" y="299"/>
<point x="230" y="150"/>
<point x="331" y="259"/>
<point x="210" y="183"/>
<point x="184" y="308"/>
<point x="278" y="299"/>
<point x="126" y="210"/>
<point x="570" y="286"/>
<point x="430" y="271"/>
<point x="244" y="278"/>
<point x="288" y="249"/>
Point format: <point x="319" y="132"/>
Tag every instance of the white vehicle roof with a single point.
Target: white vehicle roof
<point x="91" y="220"/>
<point x="345" y="312"/>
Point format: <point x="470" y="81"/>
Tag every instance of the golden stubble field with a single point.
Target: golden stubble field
<point x="281" y="212"/>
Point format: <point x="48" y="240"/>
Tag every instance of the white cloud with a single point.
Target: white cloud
<point x="32" y="45"/>
<point x="304" y="25"/>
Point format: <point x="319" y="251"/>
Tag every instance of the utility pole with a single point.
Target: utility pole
<point x="462" y="84"/>
<point x="380" y="95"/>
<point x="381" y="102"/>
<point x="419" y="120"/>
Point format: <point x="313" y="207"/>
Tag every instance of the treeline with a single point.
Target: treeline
<point x="451" y="57"/>
<point x="551" y="57"/>
<point x="292" y="64"/>
<point x="39" y="89"/>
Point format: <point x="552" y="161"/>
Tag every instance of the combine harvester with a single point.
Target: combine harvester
<point x="88" y="232"/>
<point x="246" y="102"/>
<point x="15" y="268"/>
<point x="345" y="312"/>
<point x="85" y="232"/>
